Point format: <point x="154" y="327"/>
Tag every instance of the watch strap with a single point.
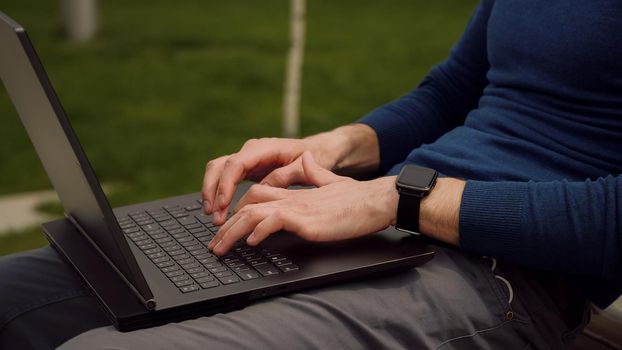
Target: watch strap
<point x="408" y="213"/>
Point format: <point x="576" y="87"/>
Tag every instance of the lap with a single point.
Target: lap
<point x="454" y="301"/>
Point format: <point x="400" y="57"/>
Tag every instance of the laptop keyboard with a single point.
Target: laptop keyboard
<point x="175" y="239"/>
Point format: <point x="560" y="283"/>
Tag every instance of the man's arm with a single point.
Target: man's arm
<point x="572" y="227"/>
<point x="441" y="102"/>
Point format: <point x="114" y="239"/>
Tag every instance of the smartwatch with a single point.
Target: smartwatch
<point x="413" y="183"/>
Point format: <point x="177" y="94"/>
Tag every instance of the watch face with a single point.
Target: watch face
<point x="416" y="178"/>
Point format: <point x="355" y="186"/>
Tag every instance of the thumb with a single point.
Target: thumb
<point x="315" y="174"/>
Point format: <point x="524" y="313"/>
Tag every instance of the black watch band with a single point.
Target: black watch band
<point x="408" y="213"/>
<point x="413" y="184"/>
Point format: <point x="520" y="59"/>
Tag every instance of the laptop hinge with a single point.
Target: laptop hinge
<point x="150" y="304"/>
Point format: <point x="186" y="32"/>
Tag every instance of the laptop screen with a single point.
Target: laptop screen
<point x="60" y="152"/>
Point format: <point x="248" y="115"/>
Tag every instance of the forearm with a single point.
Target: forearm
<point x="350" y="150"/>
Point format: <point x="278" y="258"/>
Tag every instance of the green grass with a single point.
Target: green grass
<point x="166" y="86"/>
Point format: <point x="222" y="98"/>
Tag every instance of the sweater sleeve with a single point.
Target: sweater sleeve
<point x="441" y="101"/>
<point x="572" y="227"/>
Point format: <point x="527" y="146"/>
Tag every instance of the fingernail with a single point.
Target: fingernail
<point x="210" y="245"/>
<point x="207" y="206"/>
<point x="250" y="237"/>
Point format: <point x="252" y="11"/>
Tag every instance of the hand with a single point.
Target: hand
<point x="276" y="162"/>
<point x="270" y="160"/>
<point x="339" y="208"/>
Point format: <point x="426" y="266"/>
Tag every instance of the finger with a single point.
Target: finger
<point x="254" y="154"/>
<point x="260" y="194"/>
<point x="315" y="174"/>
<point x="268" y="226"/>
<point x="286" y="176"/>
<point x="213" y="169"/>
<point x="275" y="222"/>
<point x="242" y="227"/>
<point x="222" y="230"/>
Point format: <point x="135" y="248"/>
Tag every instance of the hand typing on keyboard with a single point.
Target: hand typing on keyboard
<point x="339" y="208"/>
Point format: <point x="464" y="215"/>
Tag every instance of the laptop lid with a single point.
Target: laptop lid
<point x="63" y="158"/>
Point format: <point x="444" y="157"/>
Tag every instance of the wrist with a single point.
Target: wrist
<point x="349" y="150"/>
<point x="439" y="215"/>
<point x="387" y="198"/>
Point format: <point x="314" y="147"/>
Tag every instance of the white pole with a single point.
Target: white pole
<point x="293" y="73"/>
<point x="79" y="19"/>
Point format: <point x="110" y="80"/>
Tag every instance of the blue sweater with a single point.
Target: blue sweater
<point x="528" y="108"/>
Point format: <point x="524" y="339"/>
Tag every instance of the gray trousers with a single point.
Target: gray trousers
<point x="453" y="302"/>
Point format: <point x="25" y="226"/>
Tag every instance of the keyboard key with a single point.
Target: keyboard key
<point x="210" y="284"/>
<point x="158" y="235"/>
<point x="175" y="251"/>
<point x="229" y="279"/>
<point x="182" y="256"/>
<point x="200" y="274"/>
<point x="174" y="273"/>
<point x="128" y="225"/>
<point x="208" y="260"/>
<point x="190" y="288"/>
<point x="161" y="241"/>
<point x="152" y="251"/>
<point x="289" y="267"/>
<point x="165" y="264"/>
<point x="181" y="235"/>
<point x="170" y="269"/>
<point x="204" y="219"/>
<point x="185" y="261"/>
<point x="241" y="268"/>
<point x="180" y="215"/>
<point x="168" y="223"/>
<point x="248" y="275"/>
<point x="204" y="279"/>
<point x="167" y="244"/>
<point x="195" y="270"/>
<point x="181" y="277"/>
<point x="194" y="226"/>
<point x="183" y="283"/>
<point x="206" y="255"/>
<point x="175" y="230"/>
<point x="147" y="246"/>
<point x="218" y="269"/>
<point x="163" y="218"/>
<point x="150" y="227"/>
<point x="156" y="255"/>
<point x="144" y="222"/>
<point x="257" y="262"/>
<point x="213" y="264"/>
<point x="170" y="207"/>
<point x="195" y="247"/>
<point x="162" y="259"/>
<point x="197" y="230"/>
<point x="131" y="230"/>
<point x="199" y="252"/>
<point x="267" y="269"/>
<point x="223" y="274"/>
<point x="193" y="207"/>
<point x="282" y="262"/>
<point x="190" y="266"/>
<point x="185" y="239"/>
<point x="188" y="220"/>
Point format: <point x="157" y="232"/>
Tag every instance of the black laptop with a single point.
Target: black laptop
<point x="148" y="263"/>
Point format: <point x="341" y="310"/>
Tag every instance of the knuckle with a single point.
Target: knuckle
<point x="250" y="142"/>
<point x="254" y="190"/>
<point x="232" y="162"/>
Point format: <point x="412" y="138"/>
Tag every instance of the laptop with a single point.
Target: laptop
<point x="148" y="264"/>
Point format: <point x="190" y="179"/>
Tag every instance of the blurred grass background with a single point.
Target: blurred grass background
<point x="166" y="86"/>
